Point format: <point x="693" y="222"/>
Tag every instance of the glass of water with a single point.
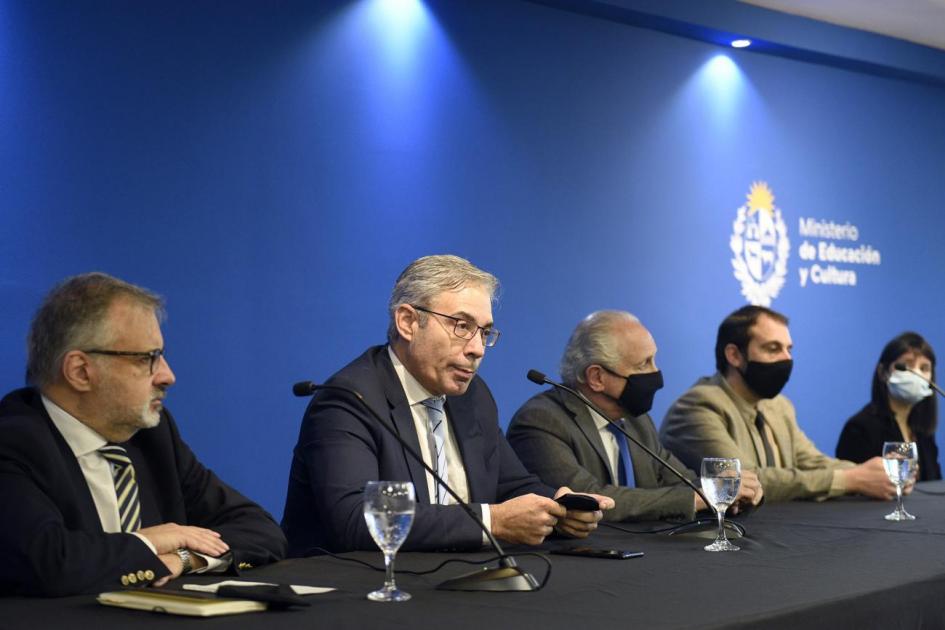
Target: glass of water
<point x="900" y="460"/>
<point x="721" y="477"/>
<point x="388" y="509"/>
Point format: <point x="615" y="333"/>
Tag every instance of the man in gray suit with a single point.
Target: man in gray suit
<point x="611" y="359"/>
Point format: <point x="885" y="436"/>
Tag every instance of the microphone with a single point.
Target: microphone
<point x="903" y="368"/>
<point x="540" y="379"/>
<point x="508" y="576"/>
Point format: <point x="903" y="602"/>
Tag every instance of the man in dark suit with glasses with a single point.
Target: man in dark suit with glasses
<point x="424" y="383"/>
<point x="101" y="490"/>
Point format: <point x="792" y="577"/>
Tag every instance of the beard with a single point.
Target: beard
<point x="149" y="418"/>
<point x="127" y="418"/>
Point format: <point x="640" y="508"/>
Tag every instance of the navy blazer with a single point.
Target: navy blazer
<point x="341" y="448"/>
<point x="51" y="537"/>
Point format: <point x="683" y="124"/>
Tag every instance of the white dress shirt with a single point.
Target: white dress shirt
<point x="611" y="448"/>
<point x="456" y="472"/>
<point x="84" y="443"/>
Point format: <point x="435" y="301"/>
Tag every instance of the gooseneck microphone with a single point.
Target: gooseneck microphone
<point x="902" y="367"/>
<point x="540" y="379"/>
<point x="508" y="576"/>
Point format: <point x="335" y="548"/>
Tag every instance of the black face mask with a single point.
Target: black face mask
<point x="767" y="379"/>
<point x="637" y="395"/>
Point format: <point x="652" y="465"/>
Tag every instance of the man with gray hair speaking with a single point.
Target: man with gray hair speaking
<point x="99" y="488"/>
<point x="424" y="383"/>
<point x="611" y="359"/>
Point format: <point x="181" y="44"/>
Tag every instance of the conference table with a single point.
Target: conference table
<point x="831" y="564"/>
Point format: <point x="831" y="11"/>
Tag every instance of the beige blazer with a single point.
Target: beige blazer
<point x="711" y="420"/>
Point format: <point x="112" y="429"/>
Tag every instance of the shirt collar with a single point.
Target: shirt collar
<point x="599" y="421"/>
<point x="745" y="408"/>
<point x="80" y="438"/>
<point x="416" y="393"/>
<point x="602" y="423"/>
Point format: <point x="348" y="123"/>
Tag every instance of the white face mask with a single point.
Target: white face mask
<point x="908" y="387"/>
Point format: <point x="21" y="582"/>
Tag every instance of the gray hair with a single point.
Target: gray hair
<point x="72" y="317"/>
<point x="592" y="342"/>
<point x="427" y="277"/>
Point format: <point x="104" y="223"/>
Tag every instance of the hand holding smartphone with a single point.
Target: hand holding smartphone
<point x="578" y="502"/>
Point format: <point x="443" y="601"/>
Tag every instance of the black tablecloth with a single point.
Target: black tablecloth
<point x="836" y="564"/>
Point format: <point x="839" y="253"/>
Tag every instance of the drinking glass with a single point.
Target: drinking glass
<point x="721" y="477"/>
<point x="900" y="460"/>
<point x="388" y="509"/>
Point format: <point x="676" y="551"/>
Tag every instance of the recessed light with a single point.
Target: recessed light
<point x="741" y="43"/>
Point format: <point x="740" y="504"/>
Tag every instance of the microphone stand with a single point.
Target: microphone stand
<point x="692" y="527"/>
<point x="508" y="576"/>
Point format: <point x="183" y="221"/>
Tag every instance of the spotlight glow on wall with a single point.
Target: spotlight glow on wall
<point x="741" y="43"/>
<point x="401" y="28"/>
<point x="720" y="90"/>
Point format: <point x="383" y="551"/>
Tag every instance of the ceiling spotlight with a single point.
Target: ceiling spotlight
<point x="741" y="43"/>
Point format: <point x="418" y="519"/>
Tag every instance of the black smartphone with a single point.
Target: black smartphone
<point x="579" y="502"/>
<point x="590" y="552"/>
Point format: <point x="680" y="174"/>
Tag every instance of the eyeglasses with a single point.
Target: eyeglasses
<point x="152" y="355"/>
<point x="465" y="329"/>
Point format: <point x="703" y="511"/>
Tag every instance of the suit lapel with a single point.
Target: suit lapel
<point x="468" y="434"/>
<point x="402" y="418"/>
<point x="587" y="426"/>
<point x="147" y="489"/>
<point x="747" y="413"/>
<point x="782" y="440"/>
<point x="756" y="442"/>
<point x="79" y="504"/>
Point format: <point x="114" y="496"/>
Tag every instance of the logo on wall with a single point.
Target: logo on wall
<point x="760" y="246"/>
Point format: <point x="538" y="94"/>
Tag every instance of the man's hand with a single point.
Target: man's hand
<point x="169" y="537"/>
<point x="173" y="564"/>
<point x="580" y="524"/>
<point x="526" y="519"/>
<point x="750" y="493"/>
<point x="176" y="567"/>
<point x="870" y="478"/>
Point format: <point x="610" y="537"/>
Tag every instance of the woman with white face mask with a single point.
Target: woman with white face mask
<point x="903" y="407"/>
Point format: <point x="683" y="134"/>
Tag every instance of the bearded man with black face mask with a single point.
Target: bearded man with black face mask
<point x="740" y="412"/>
<point x="611" y="359"/>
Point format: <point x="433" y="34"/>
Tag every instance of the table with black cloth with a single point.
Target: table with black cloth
<point x="836" y="564"/>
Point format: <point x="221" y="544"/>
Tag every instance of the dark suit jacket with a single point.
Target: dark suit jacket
<point x="863" y="436"/>
<point x="341" y="448"/>
<point x="556" y="438"/>
<point x="51" y="538"/>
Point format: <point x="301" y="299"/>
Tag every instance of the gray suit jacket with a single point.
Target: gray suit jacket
<point x="555" y="437"/>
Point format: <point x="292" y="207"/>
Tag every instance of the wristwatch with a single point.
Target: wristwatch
<point x="185" y="560"/>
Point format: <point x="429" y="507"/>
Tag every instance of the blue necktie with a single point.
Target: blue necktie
<point x="436" y="442"/>
<point x="126" y="486"/>
<point x="623" y="450"/>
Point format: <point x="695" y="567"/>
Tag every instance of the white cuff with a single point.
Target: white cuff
<point x="487" y="521"/>
<point x="214" y="565"/>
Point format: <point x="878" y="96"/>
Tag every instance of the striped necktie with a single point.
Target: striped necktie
<point x="126" y="486"/>
<point x="436" y="442"/>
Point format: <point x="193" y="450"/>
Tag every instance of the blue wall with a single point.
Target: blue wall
<point x="271" y="167"/>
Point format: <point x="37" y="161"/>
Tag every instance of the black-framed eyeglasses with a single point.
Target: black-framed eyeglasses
<point x="151" y="355"/>
<point x="465" y="329"/>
